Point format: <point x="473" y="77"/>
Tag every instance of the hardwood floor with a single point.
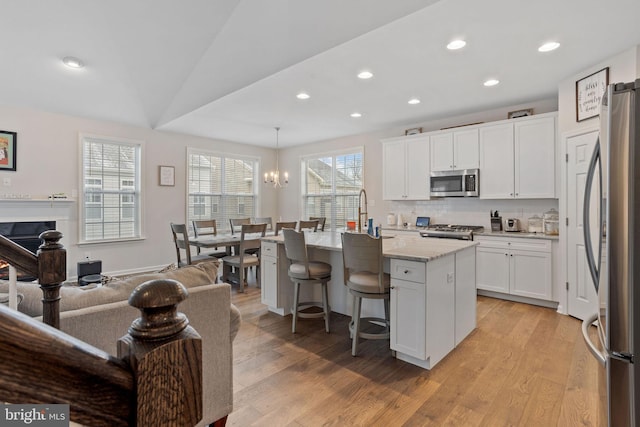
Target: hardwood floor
<point x="522" y="366"/>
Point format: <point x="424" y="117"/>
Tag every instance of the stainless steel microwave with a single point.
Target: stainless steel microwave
<point x="459" y="183"/>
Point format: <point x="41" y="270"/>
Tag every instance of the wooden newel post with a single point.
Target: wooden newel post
<point x="52" y="271"/>
<point x="165" y="354"/>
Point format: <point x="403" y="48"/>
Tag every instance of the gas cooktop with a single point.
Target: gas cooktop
<point x="451" y="231"/>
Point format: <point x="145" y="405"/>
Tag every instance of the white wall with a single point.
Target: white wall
<point x="48" y="162"/>
<point x="623" y="67"/>
<point x="467" y="211"/>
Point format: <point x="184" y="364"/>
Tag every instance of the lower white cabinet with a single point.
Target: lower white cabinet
<point x="433" y="306"/>
<point x="276" y="290"/>
<point x="515" y="266"/>
<point x="408" y="302"/>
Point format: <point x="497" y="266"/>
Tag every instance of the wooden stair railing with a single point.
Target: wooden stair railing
<point x="49" y="265"/>
<point x="156" y="380"/>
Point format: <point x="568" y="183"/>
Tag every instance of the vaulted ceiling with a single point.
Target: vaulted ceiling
<point x="231" y="69"/>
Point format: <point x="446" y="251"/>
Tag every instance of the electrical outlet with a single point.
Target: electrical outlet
<point x="450" y="277"/>
<point x="87" y="256"/>
<point x="6" y="182"/>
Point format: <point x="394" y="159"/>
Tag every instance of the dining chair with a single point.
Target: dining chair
<point x="207" y="227"/>
<point x="303" y="271"/>
<point x="250" y="236"/>
<point x="281" y="225"/>
<point x="264" y="220"/>
<point x="321" y="221"/>
<point x="181" y="242"/>
<point x="237" y="223"/>
<point x="365" y="278"/>
<point x="308" y="225"/>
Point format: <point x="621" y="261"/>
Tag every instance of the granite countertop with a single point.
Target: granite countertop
<point x="401" y="247"/>
<point x="517" y="234"/>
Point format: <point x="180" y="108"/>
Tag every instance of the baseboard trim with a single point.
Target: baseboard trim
<point x="517" y="298"/>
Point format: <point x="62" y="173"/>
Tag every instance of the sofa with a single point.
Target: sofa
<point x="102" y="315"/>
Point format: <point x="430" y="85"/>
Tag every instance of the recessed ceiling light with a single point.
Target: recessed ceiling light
<point x="303" y="95"/>
<point x="456" y="44"/>
<point x="414" y="101"/>
<point x="491" y="82"/>
<point x="365" y="75"/>
<point x="72" y="62"/>
<point x="356" y="115"/>
<point x="548" y="47"/>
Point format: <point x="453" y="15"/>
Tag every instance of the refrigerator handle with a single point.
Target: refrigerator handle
<point x="599" y="355"/>
<point x="591" y="262"/>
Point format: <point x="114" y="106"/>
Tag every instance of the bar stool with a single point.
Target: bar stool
<point x="303" y="271"/>
<point x="365" y="278"/>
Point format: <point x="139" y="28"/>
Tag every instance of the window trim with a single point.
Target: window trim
<point x="139" y="177"/>
<point x="331" y="153"/>
<point x="215" y="153"/>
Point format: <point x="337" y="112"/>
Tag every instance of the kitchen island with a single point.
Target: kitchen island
<point x="433" y="291"/>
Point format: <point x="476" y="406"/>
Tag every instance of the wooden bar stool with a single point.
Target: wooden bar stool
<point x="305" y="272"/>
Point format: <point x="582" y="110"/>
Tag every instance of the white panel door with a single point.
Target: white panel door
<point x="393" y="170"/>
<point x="582" y="300"/>
<point x="408" y="307"/>
<point x="492" y="269"/>
<point x="535" y="154"/>
<point x="496" y="162"/>
<point x="465" y="149"/>
<point x="442" y="151"/>
<point x="417" y="175"/>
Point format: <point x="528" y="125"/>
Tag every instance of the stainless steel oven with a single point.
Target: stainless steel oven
<point x="458" y="183"/>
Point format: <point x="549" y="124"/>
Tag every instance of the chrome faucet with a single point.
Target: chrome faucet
<point x="360" y="211"/>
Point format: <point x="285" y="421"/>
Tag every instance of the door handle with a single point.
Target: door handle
<point x="586" y="228"/>
<point x="599" y="355"/>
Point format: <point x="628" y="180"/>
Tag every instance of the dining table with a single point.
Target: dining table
<point x="227" y="241"/>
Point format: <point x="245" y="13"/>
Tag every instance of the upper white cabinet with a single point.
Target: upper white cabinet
<point x="517" y="160"/>
<point x="535" y="158"/>
<point x="405" y="168"/>
<point x="454" y="150"/>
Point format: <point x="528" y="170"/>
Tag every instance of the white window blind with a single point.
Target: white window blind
<point x="221" y="187"/>
<point x="110" y="203"/>
<point x="331" y="184"/>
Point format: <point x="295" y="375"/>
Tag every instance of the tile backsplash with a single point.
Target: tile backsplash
<point x="468" y="211"/>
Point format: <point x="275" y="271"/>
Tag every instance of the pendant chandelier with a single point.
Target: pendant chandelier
<point x="273" y="177"/>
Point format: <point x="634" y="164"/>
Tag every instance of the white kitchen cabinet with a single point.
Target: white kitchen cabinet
<point x="405" y="168"/>
<point x="408" y="303"/>
<point x="517" y="159"/>
<point x="535" y="154"/>
<point x="515" y="266"/>
<point x="275" y="293"/>
<point x="433" y="306"/>
<point x="454" y="150"/>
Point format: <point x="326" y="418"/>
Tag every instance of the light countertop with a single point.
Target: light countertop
<point x="401" y="247"/>
<point x="517" y="234"/>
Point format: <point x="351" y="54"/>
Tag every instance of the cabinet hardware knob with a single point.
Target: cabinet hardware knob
<point x="511" y="194"/>
<point x="392" y="287"/>
<point x="406" y="272"/>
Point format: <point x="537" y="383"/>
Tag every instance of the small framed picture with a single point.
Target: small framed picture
<point x="520" y="113"/>
<point x="413" y="131"/>
<point x="167" y="176"/>
<point x="8" y="148"/>
<point x="589" y="91"/>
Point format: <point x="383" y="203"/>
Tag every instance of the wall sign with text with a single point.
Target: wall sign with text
<point x="589" y="91"/>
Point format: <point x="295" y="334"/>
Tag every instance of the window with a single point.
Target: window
<point x="111" y="189"/>
<point x="331" y="185"/>
<point x="220" y="187"/>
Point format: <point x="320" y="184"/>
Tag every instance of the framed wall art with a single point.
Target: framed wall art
<point x="589" y="91"/>
<point x="8" y="148"/>
<point x="166" y="176"/>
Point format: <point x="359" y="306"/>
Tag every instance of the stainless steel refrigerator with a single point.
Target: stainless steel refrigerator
<point x="612" y="245"/>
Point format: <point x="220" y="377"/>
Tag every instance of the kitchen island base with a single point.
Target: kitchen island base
<point x="433" y="297"/>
